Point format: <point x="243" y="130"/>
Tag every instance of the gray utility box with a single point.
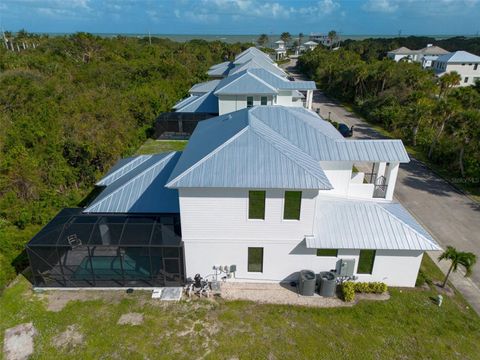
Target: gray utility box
<point x="328" y="283"/>
<point x="306" y="283"/>
<point x="347" y="267"/>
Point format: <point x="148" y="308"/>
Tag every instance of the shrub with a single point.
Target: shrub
<point x="349" y="288"/>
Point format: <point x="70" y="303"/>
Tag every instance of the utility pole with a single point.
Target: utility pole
<point x="149" y="38"/>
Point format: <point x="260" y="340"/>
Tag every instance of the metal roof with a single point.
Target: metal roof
<point x="259" y="81"/>
<point x="204" y="87"/>
<point x="402" y="51"/>
<point x="459" y="57"/>
<point x="353" y="224"/>
<point x="244" y="82"/>
<point x="122" y="167"/>
<point x="271" y="147"/>
<point x="258" y="64"/>
<point x="139" y="189"/>
<point x="206" y="103"/>
<point x="251" y="53"/>
<point x="185" y="102"/>
<point x="310" y="43"/>
<point x="220" y="70"/>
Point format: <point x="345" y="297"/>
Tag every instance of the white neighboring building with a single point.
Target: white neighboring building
<point x="405" y="54"/>
<point x="310" y="45"/>
<point x="281" y="51"/>
<point x="464" y="63"/>
<point x="271" y="190"/>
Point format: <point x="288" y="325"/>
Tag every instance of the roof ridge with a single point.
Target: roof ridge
<point x="147" y="157"/>
<point x="162" y="160"/>
<point x="206" y="157"/>
<point x="258" y="126"/>
<point x="404" y="223"/>
<point x="261" y="80"/>
<point x="194" y="101"/>
<point x="231" y="82"/>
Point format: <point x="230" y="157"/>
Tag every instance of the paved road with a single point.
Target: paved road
<point x="451" y="217"/>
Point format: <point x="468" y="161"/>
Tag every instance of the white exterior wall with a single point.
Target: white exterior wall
<point x="283" y="260"/>
<point x="230" y="103"/>
<point x="339" y="173"/>
<point x="284" y="98"/>
<point x="465" y="71"/>
<point x="219" y="214"/>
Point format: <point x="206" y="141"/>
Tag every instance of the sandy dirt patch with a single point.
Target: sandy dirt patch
<point x="275" y="294"/>
<point x="18" y="342"/>
<point x="131" y="319"/>
<point x="70" y="338"/>
<point x="56" y="300"/>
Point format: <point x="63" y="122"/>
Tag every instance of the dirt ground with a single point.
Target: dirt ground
<point x="18" y="342"/>
<point x="131" y="319"/>
<point x="69" y="338"/>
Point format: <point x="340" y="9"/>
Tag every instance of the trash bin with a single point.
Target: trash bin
<point x="306" y="283"/>
<point x="328" y="283"/>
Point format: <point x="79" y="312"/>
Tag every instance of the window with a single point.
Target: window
<point x="365" y="262"/>
<point x="327" y="252"/>
<point x="263" y="100"/>
<point x="292" y="205"/>
<point x="256" y="205"/>
<point x="465" y="80"/>
<point x="475" y="67"/>
<point x="249" y="101"/>
<point x="255" y="259"/>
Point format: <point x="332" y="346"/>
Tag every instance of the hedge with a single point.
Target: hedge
<point x="349" y="288"/>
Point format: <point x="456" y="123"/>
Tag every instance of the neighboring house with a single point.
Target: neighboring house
<point x="251" y="79"/>
<point x="405" y="54"/>
<point x="325" y="40"/>
<point x="280" y="51"/>
<point x="464" y="63"/>
<point x="310" y="45"/>
<point x="258" y="195"/>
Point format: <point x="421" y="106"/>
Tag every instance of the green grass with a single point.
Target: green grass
<point x="157" y="146"/>
<point x="408" y="326"/>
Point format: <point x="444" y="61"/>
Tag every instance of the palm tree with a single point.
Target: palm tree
<point x="285" y="36"/>
<point x="262" y="39"/>
<point x="300" y="39"/>
<point x="466" y="259"/>
<point x="448" y="81"/>
<point x="332" y="36"/>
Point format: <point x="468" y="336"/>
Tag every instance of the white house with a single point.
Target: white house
<point x="271" y="191"/>
<point x="251" y="79"/>
<point x="280" y="51"/>
<point x="310" y="45"/>
<point x="464" y="63"/>
<point x="257" y="196"/>
<point x="405" y="54"/>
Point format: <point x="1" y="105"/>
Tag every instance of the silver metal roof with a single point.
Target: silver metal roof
<point x="239" y="150"/>
<point x="258" y="64"/>
<point x="352" y="224"/>
<point x="220" y="70"/>
<point x="204" y="87"/>
<point x="206" y="103"/>
<point x="251" y="53"/>
<point x="140" y="188"/>
<point x="122" y="167"/>
<point x="459" y="57"/>
<point x="185" y="102"/>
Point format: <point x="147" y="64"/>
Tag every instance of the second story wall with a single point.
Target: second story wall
<point x="216" y="214"/>
<point x="230" y="103"/>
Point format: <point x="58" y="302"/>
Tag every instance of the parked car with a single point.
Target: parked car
<point x="345" y="130"/>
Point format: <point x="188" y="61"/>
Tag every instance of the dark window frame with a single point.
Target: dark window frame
<point x="286" y="203"/>
<point x="263" y="98"/>
<point x="368" y="255"/>
<point x="252" y="210"/>
<point x="248" y="98"/>
<point x="255" y="267"/>
<point x="327" y="252"/>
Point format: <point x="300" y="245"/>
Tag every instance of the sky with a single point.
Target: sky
<point x="349" y="17"/>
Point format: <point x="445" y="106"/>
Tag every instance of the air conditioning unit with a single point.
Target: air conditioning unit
<point x="347" y="267"/>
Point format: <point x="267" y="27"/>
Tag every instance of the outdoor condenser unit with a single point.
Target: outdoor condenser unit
<point x="347" y="267"/>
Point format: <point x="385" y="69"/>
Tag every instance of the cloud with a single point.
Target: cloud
<point x="383" y="6"/>
<point x="200" y="17"/>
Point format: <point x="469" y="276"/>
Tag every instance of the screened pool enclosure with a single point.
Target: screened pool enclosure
<point x="107" y="250"/>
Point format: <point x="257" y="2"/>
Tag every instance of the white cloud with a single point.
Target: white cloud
<point x="384" y="6"/>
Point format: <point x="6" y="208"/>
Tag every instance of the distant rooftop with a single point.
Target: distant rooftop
<point x="459" y="57"/>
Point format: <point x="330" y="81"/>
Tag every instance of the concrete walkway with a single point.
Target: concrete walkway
<point x="451" y="217"/>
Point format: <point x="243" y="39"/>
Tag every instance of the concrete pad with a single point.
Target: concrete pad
<point x="18" y="342"/>
<point x="69" y="338"/>
<point x="172" y="294"/>
<point x="131" y="319"/>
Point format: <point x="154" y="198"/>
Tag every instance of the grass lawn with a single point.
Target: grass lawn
<point x="157" y="146"/>
<point x="408" y="326"/>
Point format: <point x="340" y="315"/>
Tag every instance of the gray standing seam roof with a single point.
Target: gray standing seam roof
<point x="271" y="147"/>
<point x="204" y="87"/>
<point x="258" y="64"/>
<point x="140" y="188"/>
<point x="354" y="224"/>
<point x="206" y="103"/>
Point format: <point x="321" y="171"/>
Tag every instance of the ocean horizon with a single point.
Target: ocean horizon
<point x="246" y="38"/>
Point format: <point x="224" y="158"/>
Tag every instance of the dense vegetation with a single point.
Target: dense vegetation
<point x="370" y="49"/>
<point x="441" y="123"/>
<point x="70" y="108"/>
